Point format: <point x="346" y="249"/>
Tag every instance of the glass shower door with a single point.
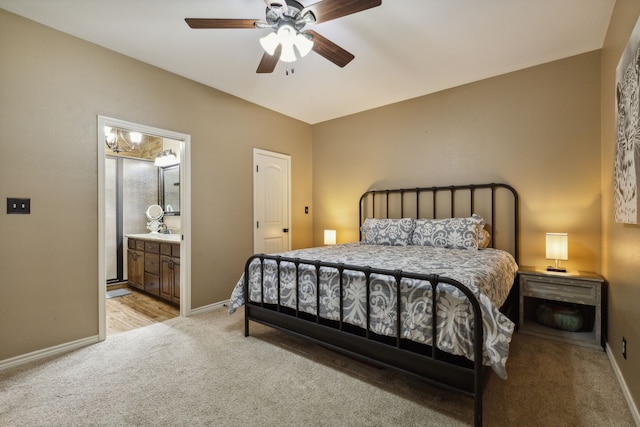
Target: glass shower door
<point x="131" y="185"/>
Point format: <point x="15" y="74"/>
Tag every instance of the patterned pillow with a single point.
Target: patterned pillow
<point x="452" y="233"/>
<point x="391" y="232"/>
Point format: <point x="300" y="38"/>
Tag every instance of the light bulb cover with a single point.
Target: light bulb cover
<point x="288" y="54"/>
<point x="286" y="33"/>
<point x="304" y="44"/>
<point x="270" y="42"/>
<point x="136" y="137"/>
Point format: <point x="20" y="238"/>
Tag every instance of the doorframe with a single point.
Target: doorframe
<point x="185" y="213"/>
<point x="287" y="157"/>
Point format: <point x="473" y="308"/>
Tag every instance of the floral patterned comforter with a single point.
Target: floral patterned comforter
<point x="488" y="273"/>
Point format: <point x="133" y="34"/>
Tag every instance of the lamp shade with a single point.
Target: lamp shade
<point x="557" y="246"/>
<point x="329" y="237"/>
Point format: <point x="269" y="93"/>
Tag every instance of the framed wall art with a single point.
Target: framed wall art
<point x="627" y="150"/>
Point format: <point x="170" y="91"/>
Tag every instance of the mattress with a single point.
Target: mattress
<point x="488" y="273"/>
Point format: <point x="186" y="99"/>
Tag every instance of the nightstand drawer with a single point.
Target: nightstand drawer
<point x="560" y="290"/>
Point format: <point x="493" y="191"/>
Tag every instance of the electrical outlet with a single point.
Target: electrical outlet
<point x="624" y="347"/>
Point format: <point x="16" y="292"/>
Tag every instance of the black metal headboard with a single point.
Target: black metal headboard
<point x="497" y="203"/>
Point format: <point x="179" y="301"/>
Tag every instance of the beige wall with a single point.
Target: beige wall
<point x="52" y="88"/>
<point x="536" y="129"/>
<point x="620" y="242"/>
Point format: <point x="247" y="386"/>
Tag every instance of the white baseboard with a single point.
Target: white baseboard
<point x="623" y="385"/>
<point x="209" y="307"/>
<point x="47" y="352"/>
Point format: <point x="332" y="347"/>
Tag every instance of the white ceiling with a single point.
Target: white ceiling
<point x="403" y="49"/>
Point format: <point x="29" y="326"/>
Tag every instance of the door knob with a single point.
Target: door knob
<point x="285" y="230"/>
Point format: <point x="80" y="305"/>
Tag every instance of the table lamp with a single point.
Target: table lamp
<point x="557" y="250"/>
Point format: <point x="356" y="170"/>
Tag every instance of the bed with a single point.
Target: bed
<point x="448" y="250"/>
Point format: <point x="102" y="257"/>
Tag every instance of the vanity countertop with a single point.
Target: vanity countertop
<point x="157" y="237"/>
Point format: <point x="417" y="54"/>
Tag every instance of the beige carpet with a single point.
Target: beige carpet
<point x="202" y="371"/>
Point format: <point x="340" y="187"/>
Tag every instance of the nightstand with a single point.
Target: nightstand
<point x="573" y="290"/>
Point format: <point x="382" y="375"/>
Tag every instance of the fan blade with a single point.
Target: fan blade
<point x="268" y="62"/>
<point x="326" y="10"/>
<point x="325" y="47"/>
<point x="220" y="23"/>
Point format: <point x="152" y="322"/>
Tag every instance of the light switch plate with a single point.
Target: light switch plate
<point x="18" y="206"/>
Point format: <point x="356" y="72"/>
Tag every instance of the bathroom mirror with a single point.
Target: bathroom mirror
<point x="170" y="189"/>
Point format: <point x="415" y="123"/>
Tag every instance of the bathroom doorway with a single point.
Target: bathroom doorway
<point x="135" y="164"/>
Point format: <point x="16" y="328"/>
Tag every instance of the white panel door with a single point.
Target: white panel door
<point x="271" y="202"/>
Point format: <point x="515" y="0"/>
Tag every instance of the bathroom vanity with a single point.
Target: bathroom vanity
<point x="153" y="264"/>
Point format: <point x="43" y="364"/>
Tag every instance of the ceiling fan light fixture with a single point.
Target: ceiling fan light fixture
<point x="287" y="37"/>
<point x="288" y="40"/>
<point x="270" y="42"/>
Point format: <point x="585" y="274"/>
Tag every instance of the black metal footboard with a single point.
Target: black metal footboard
<point x="426" y="362"/>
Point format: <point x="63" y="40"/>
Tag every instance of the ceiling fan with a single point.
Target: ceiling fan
<point x="287" y="20"/>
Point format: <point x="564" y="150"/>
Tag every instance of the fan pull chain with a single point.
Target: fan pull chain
<point x="289" y="71"/>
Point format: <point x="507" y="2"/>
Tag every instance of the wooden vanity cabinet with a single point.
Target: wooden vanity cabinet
<point x="170" y="273"/>
<point x="135" y="264"/>
<point x="154" y="267"/>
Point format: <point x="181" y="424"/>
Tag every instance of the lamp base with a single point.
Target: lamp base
<point x="557" y="269"/>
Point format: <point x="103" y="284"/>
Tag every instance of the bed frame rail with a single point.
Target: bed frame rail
<point x="361" y="342"/>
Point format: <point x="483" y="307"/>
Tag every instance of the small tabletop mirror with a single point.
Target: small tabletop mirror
<point x="155" y="212"/>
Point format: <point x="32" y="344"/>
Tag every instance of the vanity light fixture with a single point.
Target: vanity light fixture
<point x="329" y="237"/>
<point x="166" y="158"/>
<point x="557" y="249"/>
<point x="116" y="140"/>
